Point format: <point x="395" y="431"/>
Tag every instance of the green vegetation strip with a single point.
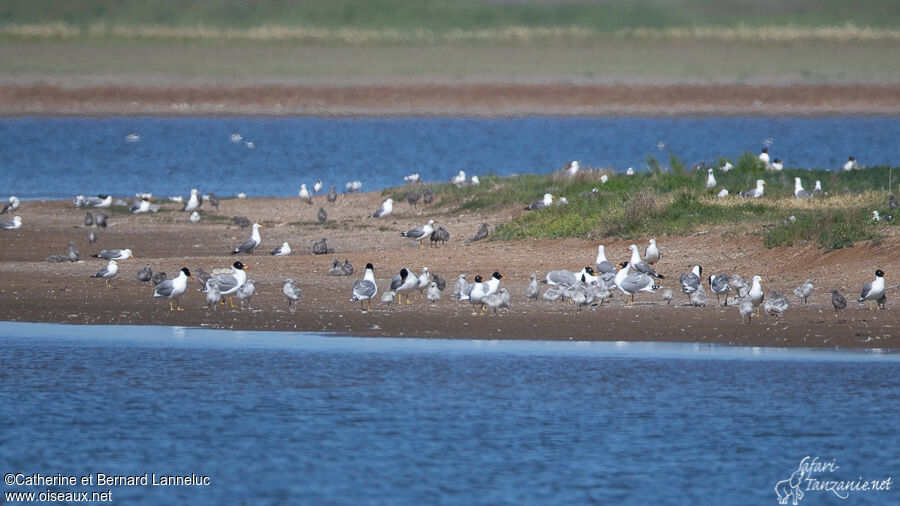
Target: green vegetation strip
<point x="672" y="200"/>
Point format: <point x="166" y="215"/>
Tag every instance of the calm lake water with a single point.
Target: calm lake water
<point x="61" y="157"/>
<point x="291" y="418"/>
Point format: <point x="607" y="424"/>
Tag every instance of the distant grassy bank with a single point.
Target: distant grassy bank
<point x="441" y="16"/>
<point x="673" y="200"/>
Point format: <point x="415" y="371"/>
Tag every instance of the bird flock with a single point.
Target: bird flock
<point x="591" y="286"/>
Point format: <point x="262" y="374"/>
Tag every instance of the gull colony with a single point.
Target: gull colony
<point x="582" y="287"/>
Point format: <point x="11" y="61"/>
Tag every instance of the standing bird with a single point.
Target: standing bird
<point x="412" y="198"/>
<point x="651" y="252"/>
<point x="88" y="219"/>
<point x="387" y="298"/>
<point x="439" y="281"/>
<point x="461" y="287"/>
<point x="12" y="205"/>
<point x="838" y="302"/>
<point x="746" y="309"/>
<point x="764" y="157"/>
<point x="331" y="197"/>
<point x="245" y="292"/>
<point x="320" y="247"/>
<point x="668" y="296"/>
<point x="427" y="197"/>
<point x="803" y="291"/>
<point x="630" y="285"/>
<point x="755" y="295"/>
<point x="158" y="277"/>
<point x="459" y="179"/>
<point x="365" y="288"/>
<point x="690" y="281"/>
<point x="291" y="292"/>
<point x="322" y="215"/>
<point x="710" y="179"/>
<point x="818" y="189"/>
<point x="850" y="164"/>
<point x="144" y="274"/>
<point x="92" y="237"/>
<point x="412" y="178"/>
<point x="637" y="264"/>
<point x="13" y="224"/>
<point x="423" y="280"/>
<point x="404" y="283"/>
<point x="317" y="186"/>
<point x="387" y="207"/>
<point x="213" y="200"/>
<point x="482" y="233"/>
<point x="192" y="203"/>
<point x="72" y="253"/>
<point x="533" y="291"/>
<point x="108" y="272"/>
<point x="440" y="235"/>
<point x="433" y="295"/>
<point x="212" y="296"/>
<point x="228" y="284"/>
<point x="100" y="220"/>
<point x="873" y="290"/>
<point x="282" y="251"/>
<point x="304" y="194"/>
<point x="757" y="192"/>
<point x="719" y="285"/>
<point x="698" y="298"/>
<point x="419" y="233"/>
<point x="603" y="265"/>
<point x="172" y="289"/>
<point x="799" y="192"/>
<point x="250" y="244"/>
<point x="892" y="202"/>
<point x="776" y="305"/>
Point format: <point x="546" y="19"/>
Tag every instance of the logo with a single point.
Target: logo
<point x="814" y="475"/>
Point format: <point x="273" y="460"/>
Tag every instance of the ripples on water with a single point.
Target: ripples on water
<point x="59" y="157"/>
<point x="292" y="418"/>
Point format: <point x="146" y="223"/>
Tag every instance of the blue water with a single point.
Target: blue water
<point x="61" y="157"/>
<point x="288" y="418"/>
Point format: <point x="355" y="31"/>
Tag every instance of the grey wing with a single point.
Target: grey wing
<point x="224" y="283"/>
<point x="293" y="292"/>
<point x="396" y="281"/>
<point x="378" y="213"/>
<point x="415" y="233"/>
<point x="804" y="194"/>
<point x="606" y="267"/>
<point x="246" y="246"/>
<point x="865" y="290"/>
<point x="364" y="288"/>
<point x="689" y="282"/>
<point x="720" y="284"/>
<point x="467" y="289"/>
<point x="632" y="284"/>
<point x="562" y="277"/>
<point x="165" y="288"/>
<point x="609" y="278"/>
<point x="748" y="193"/>
<point x="102" y="273"/>
<point x="7" y="225"/>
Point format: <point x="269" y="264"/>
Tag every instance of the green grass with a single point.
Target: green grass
<point x="626" y="60"/>
<point x="671" y="200"/>
<point x="448" y="15"/>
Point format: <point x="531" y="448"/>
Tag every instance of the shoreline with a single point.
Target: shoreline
<point x="461" y="99"/>
<point x="35" y="290"/>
